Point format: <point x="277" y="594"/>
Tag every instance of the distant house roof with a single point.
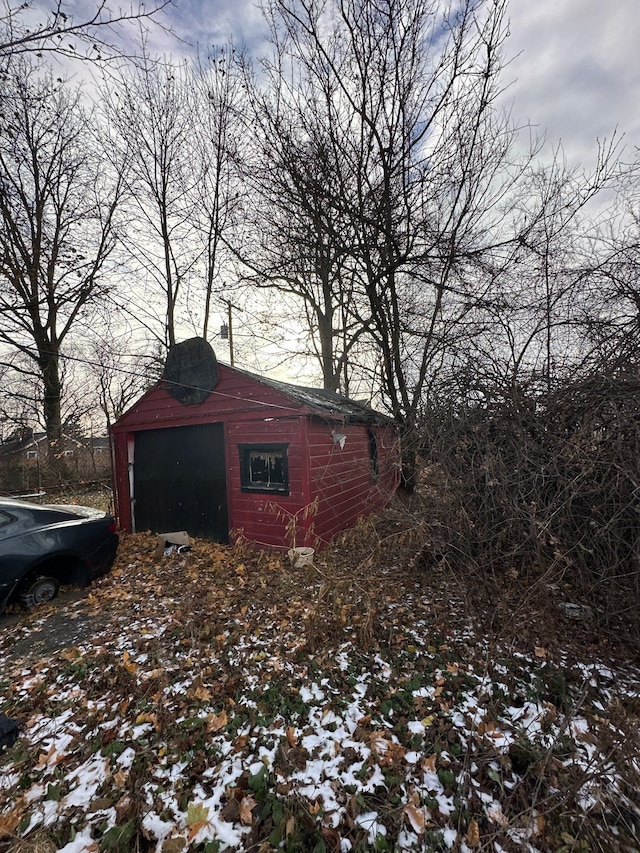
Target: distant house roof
<point x="19" y="445"/>
<point x="10" y="447"/>
<point x="34" y="440"/>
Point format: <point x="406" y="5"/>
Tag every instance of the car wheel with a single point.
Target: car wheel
<point x="41" y="590"/>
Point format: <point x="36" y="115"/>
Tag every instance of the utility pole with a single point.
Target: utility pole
<point x="226" y="330"/>
<point x="230" y="332"/>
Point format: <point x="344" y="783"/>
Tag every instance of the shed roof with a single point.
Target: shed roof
<point x="323" y="401"/>
<point x="242" y="392"/>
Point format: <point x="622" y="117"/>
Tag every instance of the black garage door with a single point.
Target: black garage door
<point x="179" y="481"/>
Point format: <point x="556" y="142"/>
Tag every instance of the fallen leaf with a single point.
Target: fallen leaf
<point x="378" y="742"/>
<point x="128" y="664"/>
<point x="416" y="816"/>
<point x="9" y="822"/>
<point x="332" y="839"/>
<point x="292" y="738"/>
<point x="540" y="652"/>
<point x="173" y="845"/>
<point x="197" y="818"/>
<point x="71" y="654"/>
<point x="196" y="814"/>
<point x="217" y="721"/>
<point x="429" y="764"/>
<point x="120" y="777"/>
<point x="240" y="742"/>
<point x="100" y="804"/>
<point x="51" y="758"/>
<point x="231" y="811"/>
<point x="147" y="718"/>
<point x="247" y="806"/>
<point x="202" y="694"/>
<point x="154" y="673"/>
<point x="473" y="834"/>
<point x="123" y="806"/>
<point x="495" y="814"/>
<point x="46" y="756"/>
<point x="538" y="825"/>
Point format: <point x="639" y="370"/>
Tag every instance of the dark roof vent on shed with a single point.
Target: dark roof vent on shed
<point x="191" y="371"/>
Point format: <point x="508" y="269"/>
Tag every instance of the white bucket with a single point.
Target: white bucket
<point x="300" y="557"/>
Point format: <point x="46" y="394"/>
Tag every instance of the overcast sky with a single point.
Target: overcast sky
<point x="578" y="70"/>
<point x="575" y="71"/>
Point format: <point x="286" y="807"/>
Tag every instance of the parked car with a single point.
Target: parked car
<point x="42" y="547"/>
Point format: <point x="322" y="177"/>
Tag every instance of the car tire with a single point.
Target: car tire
<point x="41" y="590"/>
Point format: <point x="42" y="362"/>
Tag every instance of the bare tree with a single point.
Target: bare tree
<point x="175" y="130"/>
<point x="417" y="153"/>
<point x="118" y="367"/>
<point x="298" y="234"/>
<point x="430" y="191"/>
<point x="151" y="116"/>
<point x="218" y="129"/>
<point x="94" y="35"/>
<point x="532" y="332"/>
<point x="610" y="311"/>
<point x="57" y="204"/>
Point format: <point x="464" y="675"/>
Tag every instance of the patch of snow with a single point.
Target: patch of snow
<point x="449" y="837"/>
<point x="89" y="777"/>
<point x="126" y="758"/>
<point x="371" y="822"/>
<point x="8" y="780"/>
<point x="313" y="693"/>
<point x="80" y="844"/>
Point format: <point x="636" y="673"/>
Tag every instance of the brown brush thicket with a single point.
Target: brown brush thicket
<point x="543" y="496"/>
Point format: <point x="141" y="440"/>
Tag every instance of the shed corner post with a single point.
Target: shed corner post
<point x="124" y="477"/>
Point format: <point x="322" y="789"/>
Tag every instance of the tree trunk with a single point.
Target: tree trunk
<point x="49" y="365"/>
<point x="330" y="380"/>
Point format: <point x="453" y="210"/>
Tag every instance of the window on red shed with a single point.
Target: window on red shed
<point x="263" y="468"/>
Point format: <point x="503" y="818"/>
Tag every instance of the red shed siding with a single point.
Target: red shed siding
<point x="236" y="398"/>
<point x="234" y="395"/>
<point x="253" y="413"/>
<point x="260" y="516"/>
<point x="343" y="480"/>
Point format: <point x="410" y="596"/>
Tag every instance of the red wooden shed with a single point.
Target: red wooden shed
<point x="252" y="457"/>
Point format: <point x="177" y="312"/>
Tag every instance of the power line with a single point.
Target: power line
<point x="237" y="398"/>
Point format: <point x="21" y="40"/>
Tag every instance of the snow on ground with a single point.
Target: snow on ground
<point x="193" y="723"/>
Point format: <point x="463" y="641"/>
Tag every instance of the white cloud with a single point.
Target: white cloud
<point x="577" y="74"/>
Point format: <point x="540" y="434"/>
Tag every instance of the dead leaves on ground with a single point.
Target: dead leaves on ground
<point x="212" y="647"/>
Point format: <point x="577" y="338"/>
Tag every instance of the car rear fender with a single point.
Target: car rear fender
<point x="6" y="595"/>
<point x="67" y="568"/>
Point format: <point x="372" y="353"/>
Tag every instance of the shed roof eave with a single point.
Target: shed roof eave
<point x="293" y="398"/>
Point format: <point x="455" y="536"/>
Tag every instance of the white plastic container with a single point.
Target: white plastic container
<point x="300" y="557"/>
